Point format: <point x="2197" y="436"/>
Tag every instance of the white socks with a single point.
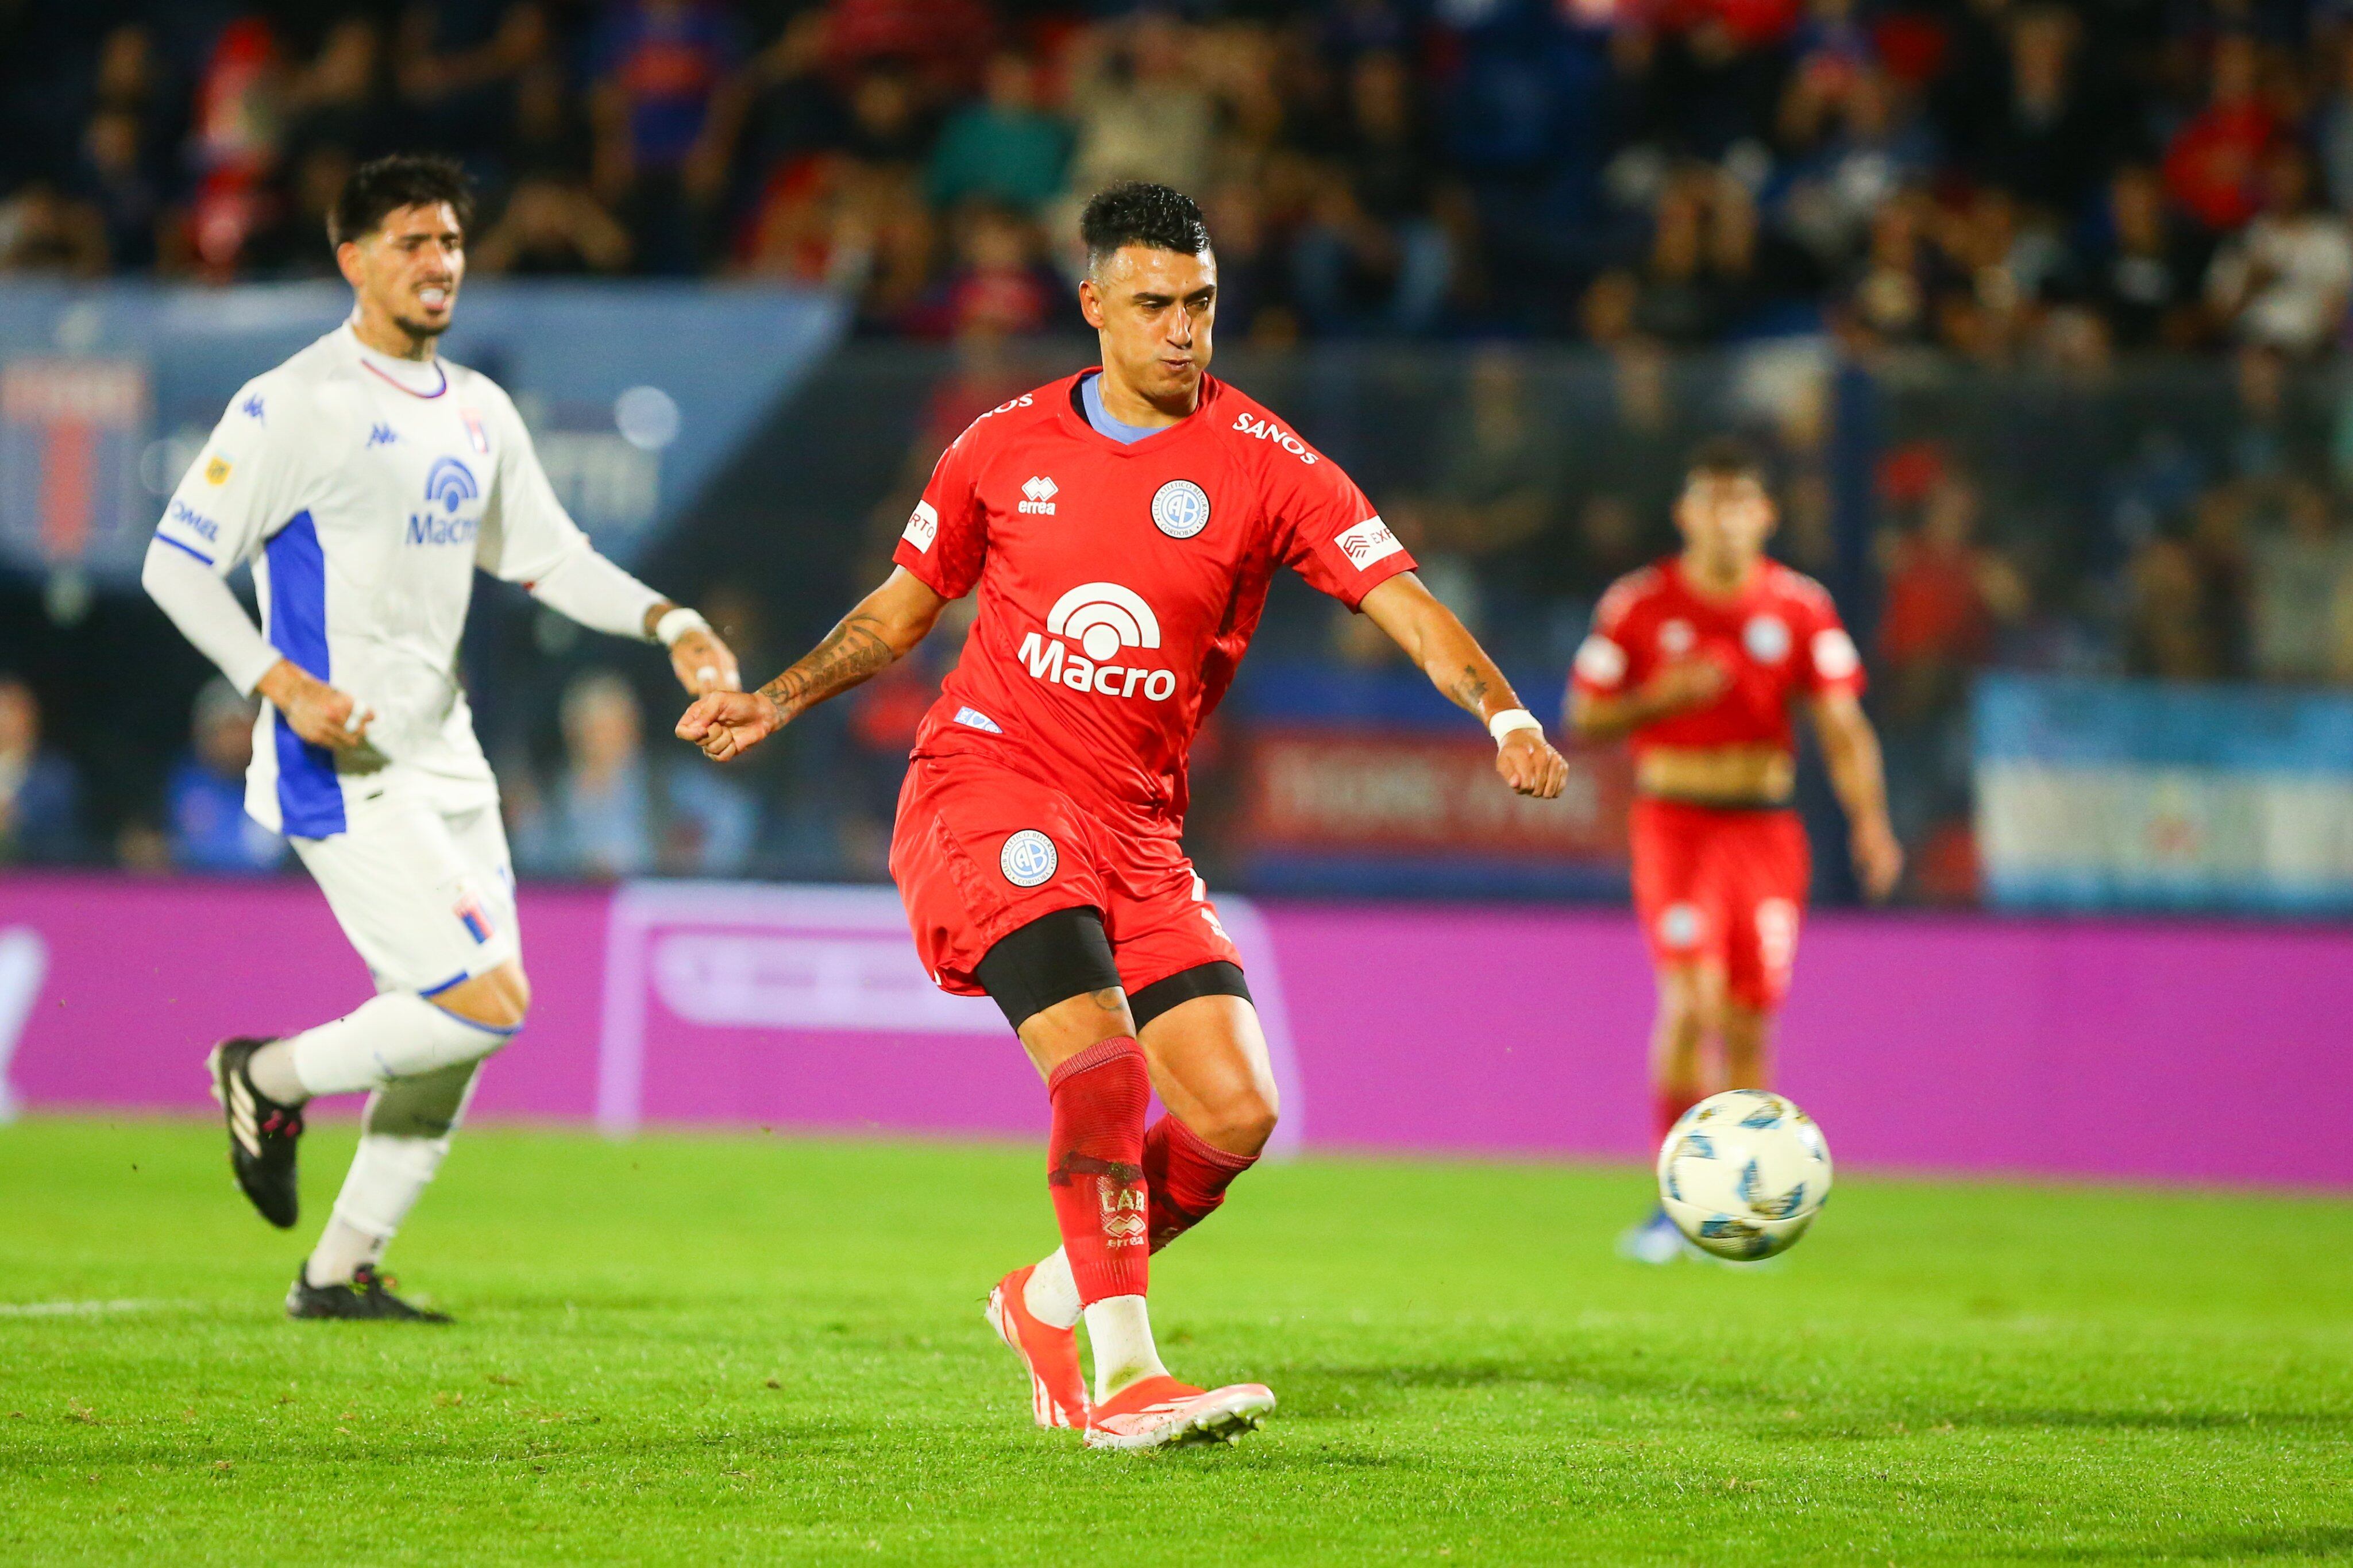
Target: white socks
<point x="341" y="1251"/>
<point x="395" y="1036"/>
<point x="1051" y="1295"/>
<point x="1118" y="1332"/>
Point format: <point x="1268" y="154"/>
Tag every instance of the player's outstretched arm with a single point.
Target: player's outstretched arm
<point x="887" y="624"/>
<point x="1850" y="753"/>
<point x="1459" y="667"/>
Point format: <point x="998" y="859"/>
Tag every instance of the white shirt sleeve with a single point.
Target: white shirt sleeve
<point x="246" y="483"/>
<point x="527" y="537"/>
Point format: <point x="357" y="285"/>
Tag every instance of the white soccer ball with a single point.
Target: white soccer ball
<point x="1743" y="1173"/>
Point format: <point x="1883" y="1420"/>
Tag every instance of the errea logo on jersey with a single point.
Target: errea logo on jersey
<point x="1102" y="618"/>
<point x="1037" y="495"/>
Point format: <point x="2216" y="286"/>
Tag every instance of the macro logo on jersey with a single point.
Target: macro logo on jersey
<point x="1037" y="495"/>
<point x="1368" y="542"/>
<point x="1102" y="618"/>
<point x="449" y="485"/>
<point x="1180" y="508"/>
<point x="1029" y="859"/>
<point x="922" y="527"/>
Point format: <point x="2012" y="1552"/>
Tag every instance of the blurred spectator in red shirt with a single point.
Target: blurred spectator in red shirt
<point x="2212" y="165"/>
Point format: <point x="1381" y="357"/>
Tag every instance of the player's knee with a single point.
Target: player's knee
<point x="1243" y="1123"/>
<point x="499" y="999"/>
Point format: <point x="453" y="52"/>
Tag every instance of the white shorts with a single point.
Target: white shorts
<point x="426" y="896"/>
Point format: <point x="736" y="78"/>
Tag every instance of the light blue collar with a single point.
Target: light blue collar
<point x="1090" y="399"/>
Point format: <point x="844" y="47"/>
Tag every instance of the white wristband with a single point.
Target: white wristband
<point x="676" y="624"/>
<point x="1511" y="719"/>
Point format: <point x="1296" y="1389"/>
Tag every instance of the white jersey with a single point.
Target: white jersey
<point x="365" y="490"/>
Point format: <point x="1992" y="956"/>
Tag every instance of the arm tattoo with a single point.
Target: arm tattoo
<point x="849" y="653"/>
<point x="1470" y="692"/>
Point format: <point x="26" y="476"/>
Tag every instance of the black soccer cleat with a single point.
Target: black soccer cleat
<point x="367" y="1295"/>
<point x="262" y="1133"/>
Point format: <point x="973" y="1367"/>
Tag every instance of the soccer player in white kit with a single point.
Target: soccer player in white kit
<point x="366" y="480"/>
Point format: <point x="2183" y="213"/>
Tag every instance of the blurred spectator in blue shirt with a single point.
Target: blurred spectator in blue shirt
<point x="205" y="797"/>
<point x="39" y="791"/>
<point x="611" y="814"/>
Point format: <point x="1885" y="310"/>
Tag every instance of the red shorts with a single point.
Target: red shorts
<point x="981" y="851"/>
<point x="1722" y="887"/>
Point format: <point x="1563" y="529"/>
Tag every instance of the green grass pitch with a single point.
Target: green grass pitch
<point x="704" y="1349"/>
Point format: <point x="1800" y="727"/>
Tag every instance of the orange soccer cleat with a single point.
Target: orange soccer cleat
<point x="1160" y="1411"/>
<point x="1057" y="1391"/>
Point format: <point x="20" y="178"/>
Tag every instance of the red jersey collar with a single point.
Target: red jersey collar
<point x="1075" y="424"/>
<point x="1759" y="582"/>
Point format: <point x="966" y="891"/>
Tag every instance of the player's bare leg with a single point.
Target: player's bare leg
<point x="1747" y="1032"/>
<point x="1691" y="1020"/>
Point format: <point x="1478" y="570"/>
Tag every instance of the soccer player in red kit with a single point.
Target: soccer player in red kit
<point x="1701" y="660"/>
<point x="1121" y="526"/>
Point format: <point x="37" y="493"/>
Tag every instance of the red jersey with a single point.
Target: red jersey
<point x="1780" y="638"/>
<point x="1119" y="584"/>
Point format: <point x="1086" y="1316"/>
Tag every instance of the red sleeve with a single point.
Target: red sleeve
<point x="946" y="539"/>
<point x="1606" y="660"/>
<point x="1327" y="531"/>
<point x="1828" y="660"/>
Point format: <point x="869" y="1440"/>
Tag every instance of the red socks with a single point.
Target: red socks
<point x="1668" y="1105"/>
<point x="1094" y="1164"/>
<point x="1187" y="1178"/>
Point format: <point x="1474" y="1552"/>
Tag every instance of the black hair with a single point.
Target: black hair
<point x="1725" y="458"/>
<point x="383" y="186"/>
<point x="1138" y="213"/>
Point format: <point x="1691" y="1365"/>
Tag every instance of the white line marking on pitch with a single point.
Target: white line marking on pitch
<point x="74" y="1308"/>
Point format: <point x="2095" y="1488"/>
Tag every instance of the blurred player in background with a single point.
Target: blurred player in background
<point x="1701" y="658"/>
<point x="1121" y="526"/>
<point x="366" y="480"/>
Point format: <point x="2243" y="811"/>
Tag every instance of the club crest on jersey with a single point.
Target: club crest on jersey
<point x="217" y="471"/>
<point x="1029" y="859"/>
<point x="476" y="436"/>
<point x="1767" y="639"/>
<point x="1037" y="495"/>
<point x="1675" y="638"/>
<point x="1102" y="618"/>
<point x="1180" y="508"/>
<point x="469" y="913"/>
<point x="1368" y="542"/>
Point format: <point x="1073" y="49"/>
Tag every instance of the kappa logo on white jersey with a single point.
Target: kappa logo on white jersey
<point x="1102" y="618"/>
<point x="1037" y="495"/>
<point x="1368" y="542"/>
<point x="922" y="527"/>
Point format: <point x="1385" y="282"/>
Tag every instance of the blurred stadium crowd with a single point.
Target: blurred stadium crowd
<point x="2000" y="177"/>
<point x="2038" y="307"/>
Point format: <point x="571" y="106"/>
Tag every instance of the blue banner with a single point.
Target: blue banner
<point x="636" y="394"/>
<point x="2125" y="795"/>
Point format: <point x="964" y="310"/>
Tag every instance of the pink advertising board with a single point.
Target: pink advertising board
<point x="2161" y="1051"/>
